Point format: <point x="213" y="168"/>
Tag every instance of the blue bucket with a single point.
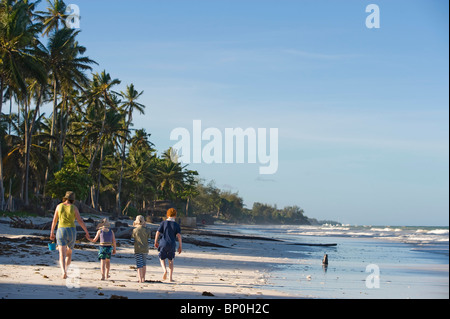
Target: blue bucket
<point x="52" y="246"/>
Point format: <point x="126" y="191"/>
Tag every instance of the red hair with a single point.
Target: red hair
<point x="171" y="212"/>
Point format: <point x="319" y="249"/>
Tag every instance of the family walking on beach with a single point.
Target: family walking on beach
<point x="168" y="233"/>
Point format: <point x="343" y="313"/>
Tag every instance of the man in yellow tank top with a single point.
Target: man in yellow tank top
<point x="66" y="235"/>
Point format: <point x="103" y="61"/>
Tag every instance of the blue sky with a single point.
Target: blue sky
<point x="362" y="113"/>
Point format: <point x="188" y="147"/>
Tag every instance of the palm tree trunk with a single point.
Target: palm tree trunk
<point x="91" y="166"/>
<point x="119" y="188"/>
<point x="187" y="206"/>
<point x="25" y="181"/>
<point x="93" y="196"/>
<point x="98" y="142"/>
<point x="10" y="111"/>
<point x="28" y="135"/>
<point x="52" y="132"/>
<point x="99" y="176"/>
<point x="9" y="204"/>
<point x="64" y="135"/>
<point x="61" y="133"/>
<point x="2" y="189"/>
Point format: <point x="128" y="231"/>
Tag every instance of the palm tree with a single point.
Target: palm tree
<point x="140" y="169"/>
<point x="54" y="16"/>
<point x="170" y="178"/>
<point x="190" y="187"/>
<point x="99" y="100"/>
<point x="19" y="56"/>
<point x="130" y="96"/>
<point x="140" y="141"/>
<point x="101" y="104"/>
<point x="67" y="69"/>
<point x="112" y="131"/>
<point x="8" y="39"/>
<point x="16" y="143"/>
<point x="39" y="89"/>
<point x="70" y="103"/>
<point x="18" y="38"/>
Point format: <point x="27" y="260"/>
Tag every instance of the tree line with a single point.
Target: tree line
<point x="209" y="200"/>
<point x="88" y="144"/>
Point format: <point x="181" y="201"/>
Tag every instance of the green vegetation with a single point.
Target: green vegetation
<point x="88" y="144"/>
<point x="228" y="206"/>
<point x="20" y="214"/>
<point x="69" y="177"/>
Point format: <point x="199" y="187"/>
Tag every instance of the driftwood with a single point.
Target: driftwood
<point x="17" y="222"/>
<point x="201" y="243"/>
<point x="310" y="244"/>
<point x="120" y="224"/>
<point x="44" y="226"/>
<point x="207" y="233"/>
<point x="123" y="233"/>
<point x="85" y="209"/>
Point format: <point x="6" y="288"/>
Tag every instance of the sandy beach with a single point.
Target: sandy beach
<point x="234" y="262"/>
<point x="30" y="271"/>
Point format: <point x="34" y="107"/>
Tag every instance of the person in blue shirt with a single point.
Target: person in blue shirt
<point x="170" y="232"/>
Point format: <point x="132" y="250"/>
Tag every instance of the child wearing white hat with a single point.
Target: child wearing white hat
<point x="141" y="235"/>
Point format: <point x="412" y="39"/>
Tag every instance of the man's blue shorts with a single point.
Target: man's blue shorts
<point x="166" y="252"/>
<point x="66" y="236"/>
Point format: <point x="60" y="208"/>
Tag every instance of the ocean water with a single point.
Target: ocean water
<point x="368" y="261"/>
